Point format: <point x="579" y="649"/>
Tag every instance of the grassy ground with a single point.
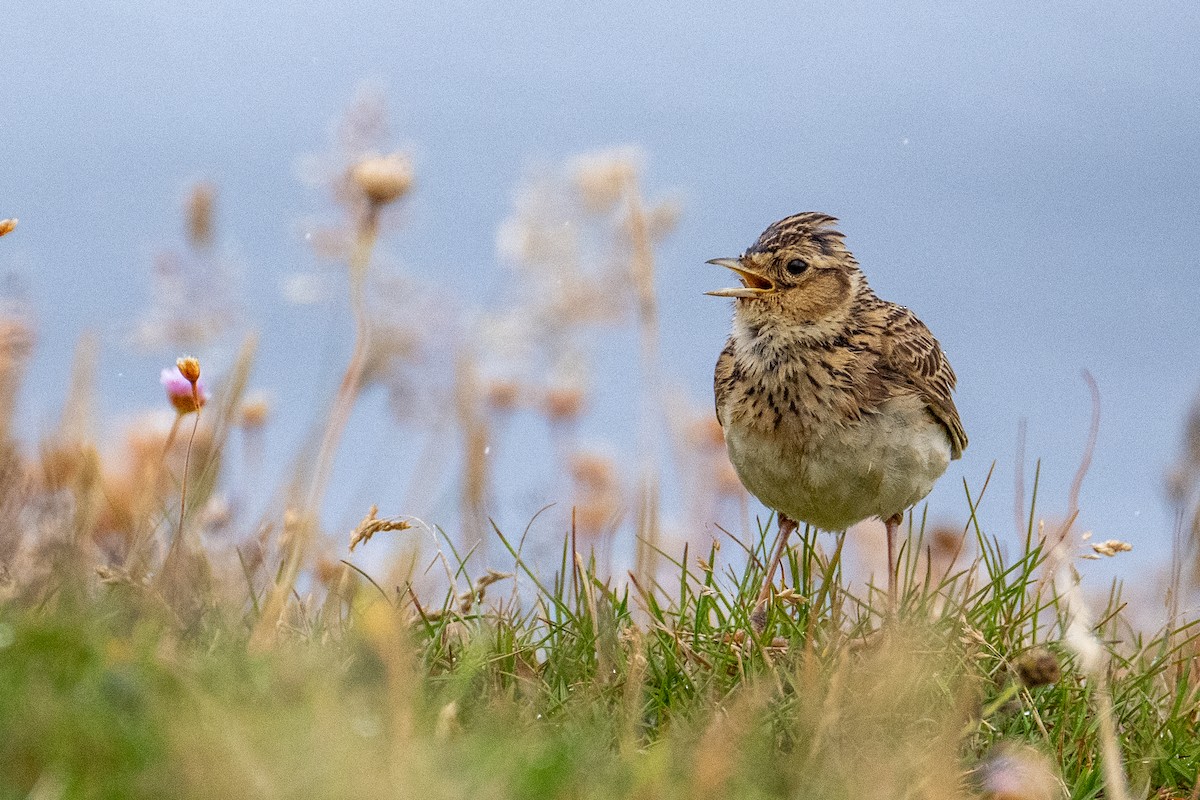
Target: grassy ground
<point x="559" y="685"/>
<point x="158" y="641"/>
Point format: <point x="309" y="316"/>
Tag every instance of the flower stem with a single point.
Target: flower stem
<point x="649" y="410"/>
<point x="339" y="414"/>
<point x="347" y="394"/>
<point x="187" y="460"/>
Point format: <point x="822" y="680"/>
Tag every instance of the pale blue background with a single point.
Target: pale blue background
<point x="1023" y="175"/>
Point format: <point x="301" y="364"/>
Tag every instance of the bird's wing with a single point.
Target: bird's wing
<point x="723" y="378"/>
<point x="911" y="351"/>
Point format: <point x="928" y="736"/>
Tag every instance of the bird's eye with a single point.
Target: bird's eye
<point x="797" y="265"/>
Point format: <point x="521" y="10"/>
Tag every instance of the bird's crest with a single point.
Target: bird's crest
<point x="807" y="226"/>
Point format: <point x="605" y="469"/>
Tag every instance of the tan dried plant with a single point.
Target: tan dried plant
<point x="199" y="213"/>
<point x="369" y="183"/>
<point x="581" y="243"/>
<point x="17" y="341"/>
<point x="1183" y="492"/>
<point x="599" y="499"/>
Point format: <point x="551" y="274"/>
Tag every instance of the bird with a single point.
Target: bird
<point x="836" y="405"/>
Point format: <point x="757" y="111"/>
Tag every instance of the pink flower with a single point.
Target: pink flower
<point x="180" y="392"/>
<point x="1019" y="772"/>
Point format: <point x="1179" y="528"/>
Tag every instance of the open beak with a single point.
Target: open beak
<point x="753" y="284"/>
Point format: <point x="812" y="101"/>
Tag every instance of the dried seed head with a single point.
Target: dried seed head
<point x="944" y="545"/>
<point x="503" y="394"/>
<point x="371" y="525"/>
<point x="189" y="367"/>
<point x="255" y="410"/>
<point x="1111" y="547"/>
<point x="945" y="539"/>
<point x="383" y="179"/>
<point x="199" y="211"/>
<point x="7" y="226"/>
<point x="602" y="178"/>
<point x="492" y="576"/>
<point x="663" y="219"/>
<point x="790" y="595"/>
<point x="595" y="516"/>
<point x="328" y="572"/>
<point x="564" y="403"/>
<point x="597" y="503"/>
<point x="594" y="472"/>
<point x="1038" y="667"/>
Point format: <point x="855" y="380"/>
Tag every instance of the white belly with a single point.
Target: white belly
<point x="881" y="465"/>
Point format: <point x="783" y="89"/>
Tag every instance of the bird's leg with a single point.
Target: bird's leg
<point x="786" y="526"/>
<point x="892" y="523"/>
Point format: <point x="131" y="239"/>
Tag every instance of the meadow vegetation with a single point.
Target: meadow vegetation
<point x="157" y="640"/>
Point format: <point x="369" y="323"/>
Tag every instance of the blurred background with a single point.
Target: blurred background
<point x="1023" y="178"/>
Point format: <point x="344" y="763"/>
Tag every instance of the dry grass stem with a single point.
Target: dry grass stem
<point x="200" y="208"/>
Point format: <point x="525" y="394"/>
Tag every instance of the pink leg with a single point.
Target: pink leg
<point x="892" y="523"/>
<point x="786" y="526"/>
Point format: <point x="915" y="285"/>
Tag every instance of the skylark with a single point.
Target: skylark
<point x="835" y="404"/>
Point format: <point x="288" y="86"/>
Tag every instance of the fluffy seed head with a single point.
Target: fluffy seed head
<point x="603" y="178"/>
<point x="255" y="410"/>
<point x="383" y="179"/>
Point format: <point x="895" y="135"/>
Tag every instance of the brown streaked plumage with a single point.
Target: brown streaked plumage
<point x="836" y="405"/>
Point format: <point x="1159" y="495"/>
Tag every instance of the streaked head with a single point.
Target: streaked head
<point x="799" y="267"/>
